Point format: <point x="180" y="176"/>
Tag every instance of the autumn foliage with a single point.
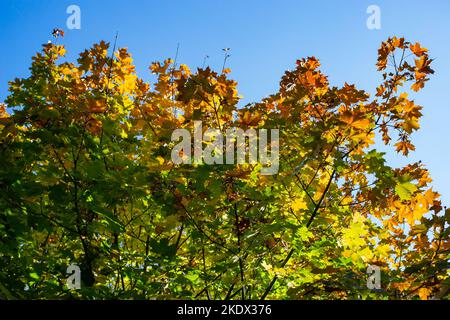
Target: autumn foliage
<point x="86" y="177"/>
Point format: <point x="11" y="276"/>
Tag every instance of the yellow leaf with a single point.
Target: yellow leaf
<point x="383" y="250"/>
<point x="429" y="196"/>
<point x="411" y="124"/>
<point x="424" y="293"/>
<point x="402" y="286"/>
<point x="346" y="253"/>
<point x="361" y="124"/>
<point x="267" y="267"/>
<point x="299" y="204"/>
<point x="160" y="160"/>
<point x="123" y="134"/>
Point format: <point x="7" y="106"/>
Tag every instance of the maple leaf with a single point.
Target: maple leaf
<point x="411" y="124"/>
<point x="417" y="49"/>
<point x="299" y="204"/>
<point x="354" y="120"/>
<point x="404" y="147"/>
<point x="404" y="188"/>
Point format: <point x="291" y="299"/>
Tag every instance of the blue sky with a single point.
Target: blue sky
<point x="266" y="37"/>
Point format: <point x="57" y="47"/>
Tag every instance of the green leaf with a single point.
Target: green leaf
<point x="34" y="276"/>
<point x="163" y="248"/>
<point x="112" y="221"/>
<point x="404" y="189"/>
<point x="421" y="228"/>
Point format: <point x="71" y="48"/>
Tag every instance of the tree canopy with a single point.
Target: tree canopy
<point x="86" y="177"/>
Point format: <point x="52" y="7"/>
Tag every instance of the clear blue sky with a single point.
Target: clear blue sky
<point x="266" y="37"/>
